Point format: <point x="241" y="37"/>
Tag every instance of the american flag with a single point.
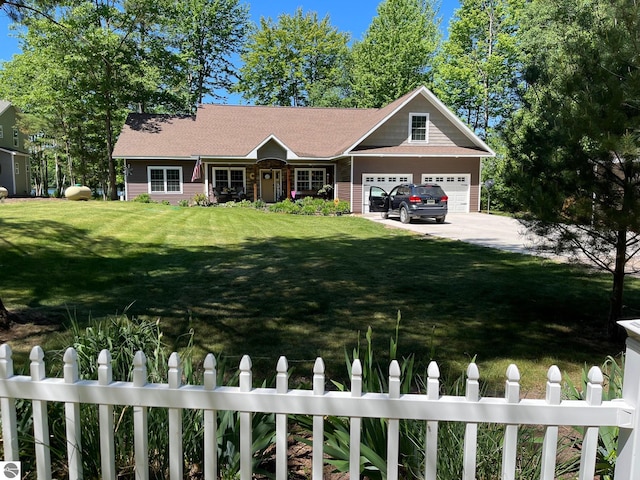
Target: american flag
<point x="196" y="170"/>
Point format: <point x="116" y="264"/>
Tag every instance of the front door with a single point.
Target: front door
<point x="270" y="185"/>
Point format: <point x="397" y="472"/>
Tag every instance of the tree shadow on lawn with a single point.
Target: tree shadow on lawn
<point x="305" y="298"/>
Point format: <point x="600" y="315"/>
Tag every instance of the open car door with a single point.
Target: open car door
<point x="378" y="200"/>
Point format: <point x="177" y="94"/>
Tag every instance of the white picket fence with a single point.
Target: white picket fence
<point x="550" y="413"/>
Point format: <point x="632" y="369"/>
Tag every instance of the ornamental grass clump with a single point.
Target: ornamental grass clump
<point x="373" y="446"/>
<point x="123" y="337"/>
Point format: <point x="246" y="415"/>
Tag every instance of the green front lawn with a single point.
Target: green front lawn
<point x="270" y="284"/>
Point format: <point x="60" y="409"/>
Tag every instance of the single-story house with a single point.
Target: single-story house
<point x="15" y="175"/>
<point x="270" y="153"/>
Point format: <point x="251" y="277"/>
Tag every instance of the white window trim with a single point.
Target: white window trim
<point x="16" y="138"/>
<point x="310" y="170"/>
<point x="1" y="131"/>
<point x="164" y="192"/>
<point x="17" y="168"/>
<point x="229" y="170"/>
<point x="426" y="133"/>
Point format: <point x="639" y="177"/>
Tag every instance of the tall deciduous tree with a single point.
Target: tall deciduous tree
<point x="478" y="65"/>
<point x="292" y="61"/>
<point x="208" y="33"/>
<point x="577" y="137"/>
<point x="396" y="53"/>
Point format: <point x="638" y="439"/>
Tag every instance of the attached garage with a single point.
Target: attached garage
<point x="386" y="181"/>
<point x="457" y="186"/>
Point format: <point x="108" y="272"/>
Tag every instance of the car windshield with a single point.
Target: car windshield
<point x="429" y="190"/>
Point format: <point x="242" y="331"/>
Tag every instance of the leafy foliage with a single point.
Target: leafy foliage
<point x="396" y="53"/>
<point x="478" y="64"/>
<point x="575" y="142"/>
<point x="311" y="206"/>
<point x="294" y="61"/>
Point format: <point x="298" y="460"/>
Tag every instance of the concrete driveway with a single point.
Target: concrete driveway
<point x="493" y="231"/>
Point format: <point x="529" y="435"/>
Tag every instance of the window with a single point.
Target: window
<point x="165" y="179"/>
<point x="17" y="168"/>
<point x="309" y="179"/>
<point x="419" y="127"/>
<point x="230" y="178"/>
<point x="15" y="137"/>
<point x="1" y="131"/>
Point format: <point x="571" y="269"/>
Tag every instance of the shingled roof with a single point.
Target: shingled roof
<point x="233" y="131"/>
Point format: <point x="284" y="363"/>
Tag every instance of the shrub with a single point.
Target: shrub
<point x="143" y="198"/>
<point x="201" y="200"/>
<point x="183" y="203"/>
<point x="311" y="206"/>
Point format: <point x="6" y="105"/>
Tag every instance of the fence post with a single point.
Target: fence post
<point x="72" y="414"/>
<point x="105" y="413"/>
<point x="431" y="454"/>
<point x="471" y="429"/>
<point x="355" y="423"/>
<point x="140" y="420"/>
<point x="590" y="437"/>
<point x="550" y="443"/>
<point x="510" y="449"/>
<point x="40" y="418"/>
<point x="282" y="434"/>
<point x="8" y="407"/>
<point x="176" y="457"/>
<point x="393" y="436"/>
<point x="246" y="433"/>
<point x="628" y="461"/>
<point x="210" y="422"/>
<point x="318" y="423"/>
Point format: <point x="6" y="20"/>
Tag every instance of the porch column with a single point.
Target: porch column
<point x="288" y="182"/>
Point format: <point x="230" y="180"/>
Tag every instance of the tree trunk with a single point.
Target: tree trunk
<point x="5" y="323"/>
<point x="615" y="305"/>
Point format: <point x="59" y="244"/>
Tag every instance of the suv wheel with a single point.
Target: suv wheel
<point x="404" y="215"/>
<point x="440" y="219"/>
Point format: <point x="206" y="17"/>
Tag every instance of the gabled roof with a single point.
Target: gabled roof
<point x="236" y="131"/>
<point x="4" y="106"/>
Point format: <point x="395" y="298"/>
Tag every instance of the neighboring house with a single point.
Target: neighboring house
<point x="272" y="153"/>
<point x="14" y="159"/>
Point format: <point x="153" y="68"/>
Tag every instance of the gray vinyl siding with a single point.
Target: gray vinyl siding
<point x="6" y="172"/>
<point x="395" y="131"/>
<point x="272" y="150"/>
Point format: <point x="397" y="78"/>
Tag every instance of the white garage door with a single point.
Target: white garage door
<point x="386" y="181"/>
<point x="457" y="186"/>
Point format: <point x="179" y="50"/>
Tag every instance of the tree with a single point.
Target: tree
<point x="292" y="61"/>
<point x="207" y="33"/>
<point x="396" y="53"/>
<point x="577" y="138"/>
<point x="5" y="317"/>
<point x="479" y="61"/>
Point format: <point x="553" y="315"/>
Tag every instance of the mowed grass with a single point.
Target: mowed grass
<point x="251" y="282"/>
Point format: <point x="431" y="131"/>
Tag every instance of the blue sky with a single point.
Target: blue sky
<point x="353" y="16"/>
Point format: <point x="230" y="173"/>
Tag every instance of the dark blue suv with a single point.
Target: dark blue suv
<point x="410" y="201"/>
